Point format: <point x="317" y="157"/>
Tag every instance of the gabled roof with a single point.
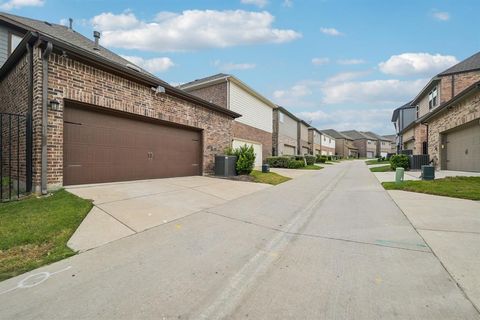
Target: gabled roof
<point x="220" y="77"/>
<point x="357" y="135"/>
<point x="391" y="137"/>
<point x="376" y="136"/>
<point x="323" y="132"/>
<point x="77" y="45"/>
<point x="470" y="64"/>
<point x="335" y="134"/>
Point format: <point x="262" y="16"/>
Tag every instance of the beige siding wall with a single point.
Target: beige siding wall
<point x="254" y="112"/>
<point x="288" y="127"/>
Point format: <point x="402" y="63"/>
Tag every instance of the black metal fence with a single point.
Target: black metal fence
<point x="417" y="161"/>
<point x="15" y="156"/>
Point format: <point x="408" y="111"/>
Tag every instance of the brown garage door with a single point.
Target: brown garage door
<point x="101" y="147"/>
<point x="463" y="149"/>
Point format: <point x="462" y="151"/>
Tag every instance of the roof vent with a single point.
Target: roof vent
<point x="70" y="23"/>
<point x="96" y="35"/>
<point x="47" y="23"/>
<point x="133" y="67"/>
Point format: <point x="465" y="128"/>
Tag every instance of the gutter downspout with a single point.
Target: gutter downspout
<point x="29" y="142"/>
<point x="45" y="55"/>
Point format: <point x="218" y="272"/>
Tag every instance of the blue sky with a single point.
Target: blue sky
<point x="342" y="64"/>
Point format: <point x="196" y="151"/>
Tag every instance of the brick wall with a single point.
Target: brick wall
<point x="80" y="82"/>
<point x="246" y="132"/>
<point x="14" y="100"/>
<point x="461" y="113"/>
<point x="461" y="81"/>
<point x="216" y="93"/>
<point x="420" y="133"/>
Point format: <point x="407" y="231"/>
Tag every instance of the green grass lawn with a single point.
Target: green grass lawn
<point x="270" y="177"/>
<point x="311" y="167"/>
<point x="381" y="169"/>
<point x="35" y="231"/>
<point x="457" y="187"/>
<point x="369" y="162"/>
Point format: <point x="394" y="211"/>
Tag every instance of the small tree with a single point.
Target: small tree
<point x="245" y="159"/>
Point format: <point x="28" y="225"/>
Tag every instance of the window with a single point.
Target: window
<point x="13" y="41"/>
<point x="281" y="117"/>
<point x="432" y="98"/>
<point x="418" y="111"/>
<point x="329" y="140"/>
<point x="369" y="142"/>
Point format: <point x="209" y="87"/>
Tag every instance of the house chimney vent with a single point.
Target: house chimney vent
<point x="70" y="23"/>
<point x="96" y="35"/>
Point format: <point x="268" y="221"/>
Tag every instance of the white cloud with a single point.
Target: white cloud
<point x="258" y="3"/>
<point x="331" y="32"/>
<point x="190" y="30"/>
<point x="346" y="76"/>
<point x="376" y="120"/>
<point x="424" y="64"/>
<point x="375" y="92"/>
<point x="296" y="91"/>
<point x="230" y="66"/>
<point x="287" y="3"/>
<point x="350" y="61"/>
<point x="153" y="65"/>
<point x="17" y="4"/>
<point x="320" y="61"/>
<point x="441" y="15"/>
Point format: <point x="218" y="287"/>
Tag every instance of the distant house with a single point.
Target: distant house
<point x="315" y="141"/>
<point x="304" y="146"/>
<point x="383" y="144"/>
<point x="285" y="132"/>
<point x="255" y="127"/>
<point x="344" y="146"/>
<point x="327" y="145"/>
<point x="393" y="142"/>
<point x="366" y="144"/>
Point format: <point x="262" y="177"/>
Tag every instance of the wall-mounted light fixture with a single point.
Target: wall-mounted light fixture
<point x="54" y="105"/>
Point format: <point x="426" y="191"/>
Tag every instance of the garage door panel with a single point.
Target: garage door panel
<point x="257" y="149"/>
<point x="463" y="149"/>
<point x="101" y="147"/>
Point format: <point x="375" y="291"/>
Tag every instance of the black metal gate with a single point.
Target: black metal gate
<point x="15" y="156"/>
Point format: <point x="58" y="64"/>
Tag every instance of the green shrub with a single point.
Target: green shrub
<point x="310" y="159"/>
<point x="245" y="159"/>
<point x="295" y="164"/>
<point x="278" y="162"/>
<point x="229" y="151"/>
<point x="329" y="158"/>
<point x="400" y="161"/>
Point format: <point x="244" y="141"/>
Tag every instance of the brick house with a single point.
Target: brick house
<point x="255" y="127"/>
<point x="383" y="144"/>
<point x="344" y="145"/>
<point x="96" y="117"/>
<point x="285" y="132"/>
<point x="366" y="144"/>
<point x="403" y="117"/>
<point x="446" y="118"/>
<point x="393" y="143"/>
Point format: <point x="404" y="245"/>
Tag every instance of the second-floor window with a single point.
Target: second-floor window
<point x="432" y="98"/>
<point x="417" y="108"/>
<point x="282" y="117"/>
<point x="13" y="41"/>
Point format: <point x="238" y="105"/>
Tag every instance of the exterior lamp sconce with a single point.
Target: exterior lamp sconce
<point x="54" y="105"/>
<point x="443" y="146"/>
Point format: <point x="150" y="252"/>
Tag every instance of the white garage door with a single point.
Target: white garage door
<point x="257" y="148"/>
<point x="463" y="149"/>
<point x="369" y="154"/>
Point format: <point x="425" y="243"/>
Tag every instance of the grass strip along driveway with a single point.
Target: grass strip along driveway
<point x="457" y="187"/>
<point x="269" y="177"/>
<point x="35" y="231"/>
<point x="382" y="169"/>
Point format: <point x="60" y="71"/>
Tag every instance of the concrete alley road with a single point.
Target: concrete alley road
<point x="327" y="245"/>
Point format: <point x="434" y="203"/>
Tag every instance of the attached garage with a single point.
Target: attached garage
<point x="370" y="154"/>
<point x="461" y="148"/>
<point x="257" y="148"/>
<point x="101" y="146"/>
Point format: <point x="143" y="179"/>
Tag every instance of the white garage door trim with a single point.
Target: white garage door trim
<point x="257" y="148"/>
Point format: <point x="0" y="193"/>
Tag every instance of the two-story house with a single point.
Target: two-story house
<point x="366" y="144"/>
<point x="383" y="144"/>
<point x="344" y="145"/>
<point x="393" y="143"/>
<point x="255" y="127"/>
<point x="304" y="146"/>
<point x="86" y="115"/>
<point x="327" y="144"/>
<point x="446" y="118"/>
<point x="285" y="132"/>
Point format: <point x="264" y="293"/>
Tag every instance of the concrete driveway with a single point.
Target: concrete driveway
<point x="125" y="208"/>
<point x="326" y="245"/>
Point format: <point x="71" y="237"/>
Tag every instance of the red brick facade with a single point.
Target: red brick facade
<point x="246" y="132"/>
<point x="460" y="82"/>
